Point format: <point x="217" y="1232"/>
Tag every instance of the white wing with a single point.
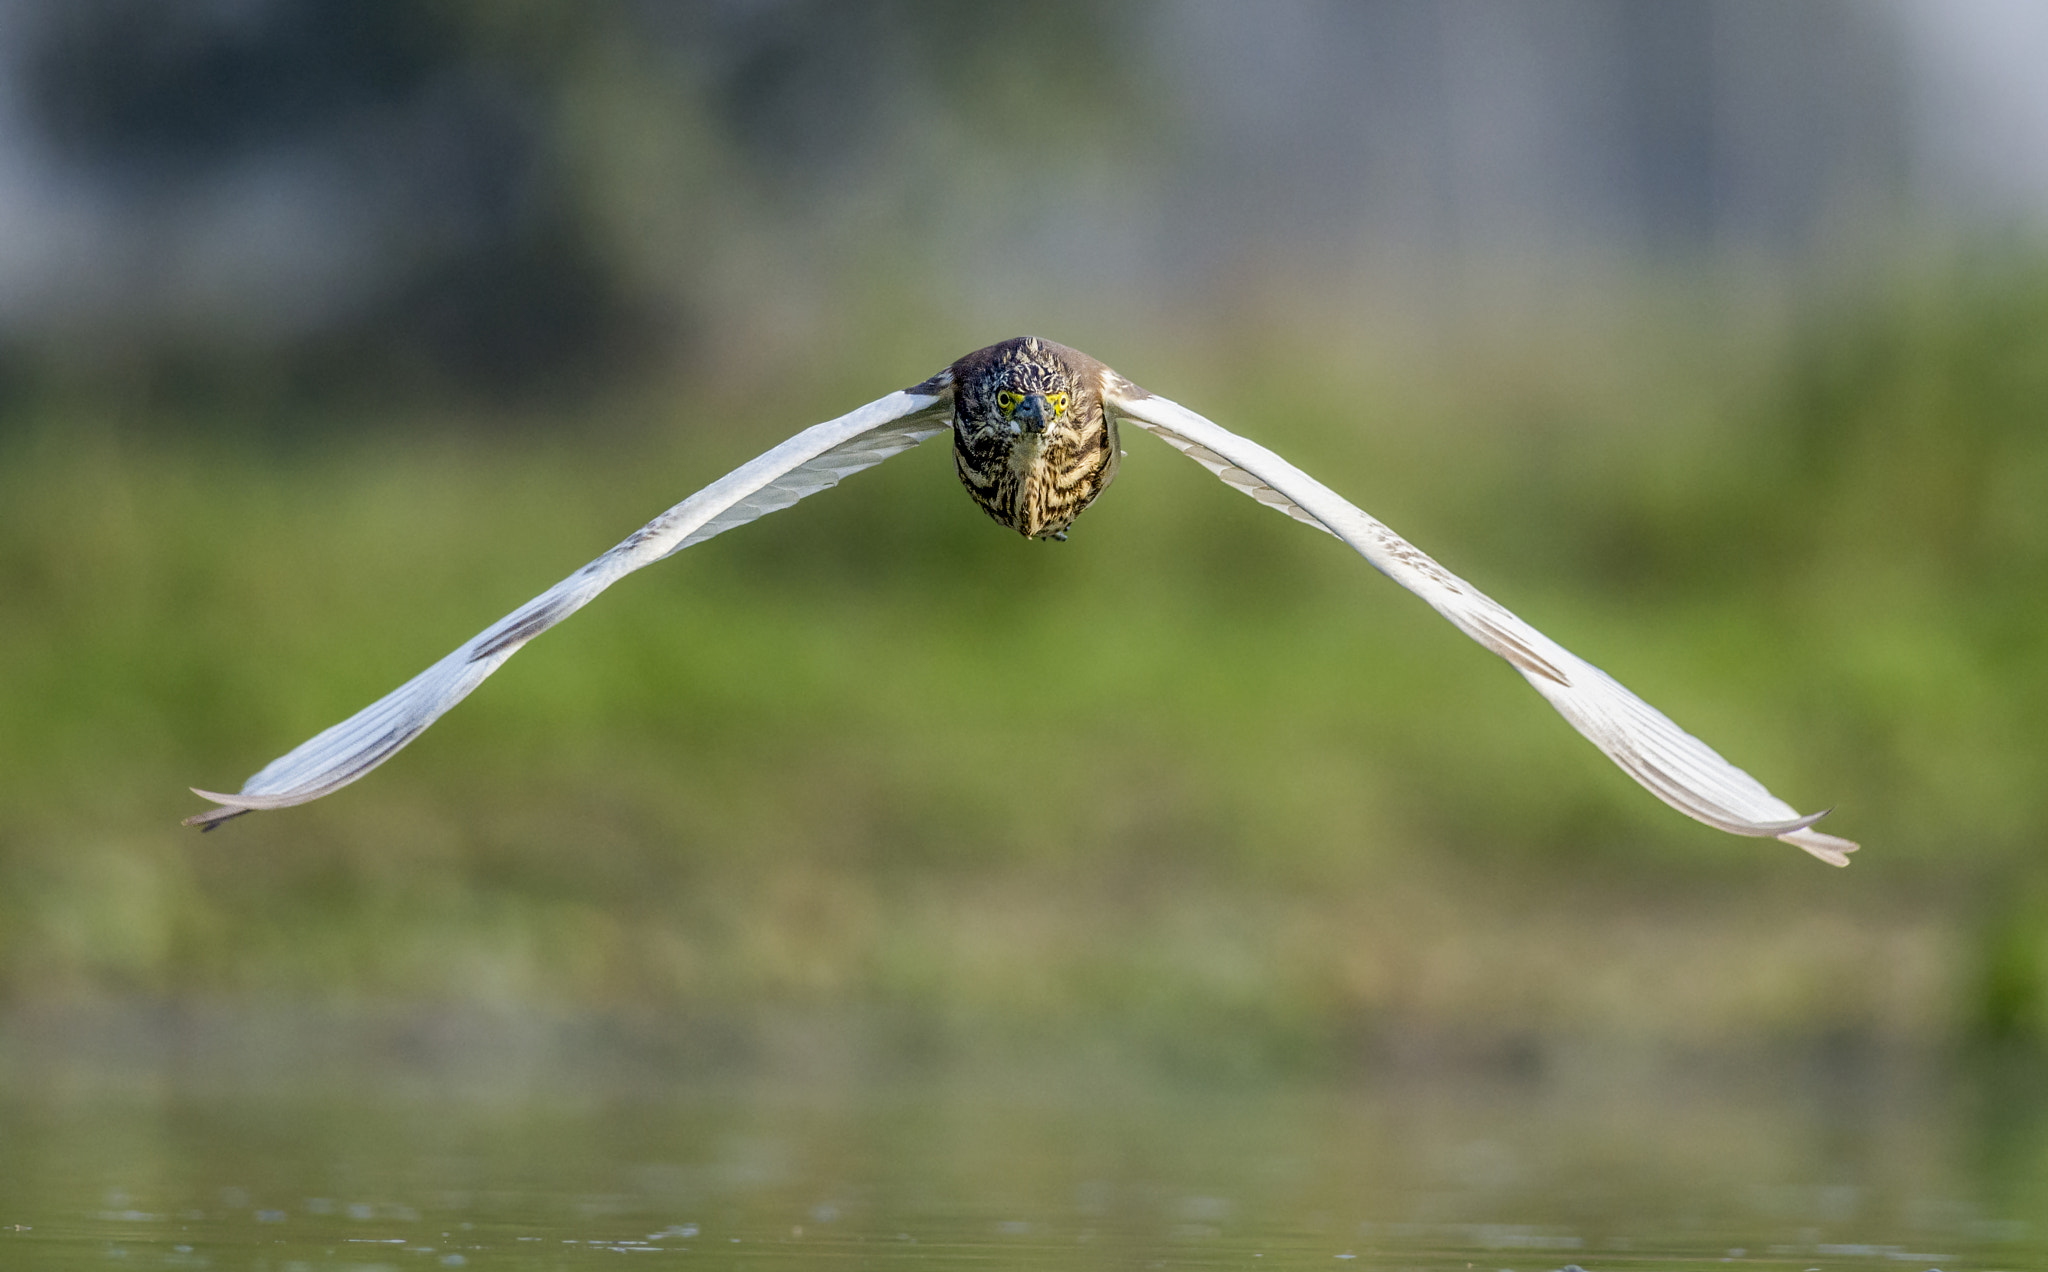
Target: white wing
<point x="813" y="460"/>
<point x="1677" y="767"/>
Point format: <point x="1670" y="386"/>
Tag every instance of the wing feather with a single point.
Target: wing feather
<point x="1672" y="764"/>
<point x="814" y="460"/>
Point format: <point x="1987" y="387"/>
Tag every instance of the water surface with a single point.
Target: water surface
<point x="1068" y="1161"/>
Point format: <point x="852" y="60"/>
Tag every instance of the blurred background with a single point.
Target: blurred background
<point x="1709" y="335"/>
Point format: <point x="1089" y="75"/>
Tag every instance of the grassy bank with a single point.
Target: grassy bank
<point x="1198" y="774"/>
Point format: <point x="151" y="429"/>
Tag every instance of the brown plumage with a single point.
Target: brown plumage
<point x="1031" y="441"/>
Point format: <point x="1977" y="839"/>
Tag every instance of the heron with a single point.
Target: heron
<point x="1035" y="429"/>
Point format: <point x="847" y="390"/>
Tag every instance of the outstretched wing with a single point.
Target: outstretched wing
<point x="1677" y="767"/>
<point x="813" y="460"/>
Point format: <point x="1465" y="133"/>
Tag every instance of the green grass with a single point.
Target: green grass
<point x="1197" y="765"/>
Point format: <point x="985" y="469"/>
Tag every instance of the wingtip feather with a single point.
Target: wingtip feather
<point x="213" y="817"/>
<point x="235" y="805"/>
<point x="1832" y="849"/>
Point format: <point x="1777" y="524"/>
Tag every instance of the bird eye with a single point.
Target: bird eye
<point x="1059" y="402"/>
<point x="1006" y="401"/>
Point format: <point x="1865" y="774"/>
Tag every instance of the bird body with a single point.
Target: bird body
<point x="1035" y="441"/>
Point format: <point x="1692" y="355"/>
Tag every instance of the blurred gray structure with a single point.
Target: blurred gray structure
<point x="486" y="195"/>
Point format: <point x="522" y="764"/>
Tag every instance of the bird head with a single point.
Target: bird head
<point x="1019" y="390"/>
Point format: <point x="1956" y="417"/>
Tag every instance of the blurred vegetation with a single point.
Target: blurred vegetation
<point x="511" y="204"/>
<point x="1197" y="779"/>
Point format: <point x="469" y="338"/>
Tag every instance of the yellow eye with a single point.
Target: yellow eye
<point x="1006" y="401"/>
<point x="1059" y="402"/>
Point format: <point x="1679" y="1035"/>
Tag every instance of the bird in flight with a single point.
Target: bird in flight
<point x="1035" y="441"/>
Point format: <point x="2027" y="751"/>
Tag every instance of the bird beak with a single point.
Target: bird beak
<point x="1033" y="413"/>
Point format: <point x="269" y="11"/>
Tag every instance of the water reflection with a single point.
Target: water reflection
<point x="1064" y="1159"/>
